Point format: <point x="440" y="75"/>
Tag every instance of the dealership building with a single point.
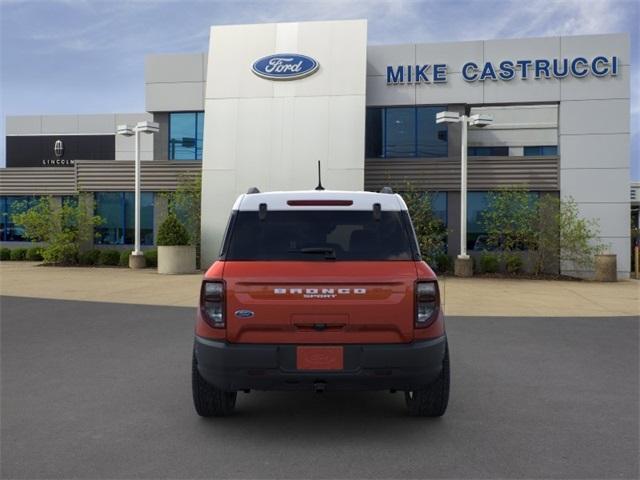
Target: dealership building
<point x="267" y="101"/>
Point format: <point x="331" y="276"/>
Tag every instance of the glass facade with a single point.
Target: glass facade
<point x="477" y="203"/>
<point x="117" y="212"/>
<point x="439" y="205"/>
<point x="541" y="151"/>
<point x="9" y="231"/>
<point x="405" y="132"/>
<point x="185" y="135"/>
<point x="488" y="151"/>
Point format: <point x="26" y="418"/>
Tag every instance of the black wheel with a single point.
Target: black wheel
<point x="432" y="400"/>
<point x="208" y="400"/>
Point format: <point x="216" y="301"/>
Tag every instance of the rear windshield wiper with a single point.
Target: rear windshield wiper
<point x="329" y="253"/>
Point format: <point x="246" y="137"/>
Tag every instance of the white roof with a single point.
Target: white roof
<point x="282" y="200"/>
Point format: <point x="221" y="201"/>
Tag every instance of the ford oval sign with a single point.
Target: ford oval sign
<point x="285" y="66"/>
<point x="244" y="313"/>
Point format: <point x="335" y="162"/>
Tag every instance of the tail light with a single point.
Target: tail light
<point x="212" y="303"/>
<point x="427" y="303"/>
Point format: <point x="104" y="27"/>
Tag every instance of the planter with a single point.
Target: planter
<point x="606" y="268"/>
<point x="176" y="259"/>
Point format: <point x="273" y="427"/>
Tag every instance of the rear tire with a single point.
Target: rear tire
<point x="208" y="400"/>
<point x="432" y="400"/>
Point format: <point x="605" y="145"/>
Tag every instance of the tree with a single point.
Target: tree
<point x="550" y="228"/>
<point x="62" y="227"/>
<point x="579" y="242"/>
<point x="509" y="219"/>
<point x="184" y="203"/>
<point x="430" y="230"/>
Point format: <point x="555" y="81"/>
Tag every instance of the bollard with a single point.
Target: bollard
<point x="606" y="268"/>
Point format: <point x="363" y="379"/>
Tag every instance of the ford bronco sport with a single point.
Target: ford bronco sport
<point x="320" y="290"/>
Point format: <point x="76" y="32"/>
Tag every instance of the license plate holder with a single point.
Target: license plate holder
<point x="321" y="358"/>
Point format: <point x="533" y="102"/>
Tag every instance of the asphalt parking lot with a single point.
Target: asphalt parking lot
<point x="101" y="390"/>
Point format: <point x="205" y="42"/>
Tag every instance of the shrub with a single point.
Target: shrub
<point x="18" y="253"/>
<point x="185" y="204"/>
<point x="562" y="235"/>
<point x="62" y="228"/>
<point x="172" y="232"/>
<point x="513" y="263"/>
<point x="431" y="232"/>
<point x="124" y="258"/>
<point x="443" y="263"/>
<point x="34" y="254"/>
<point x="151" y="258"/>
<point x="61" y="253"/>
<point x="5" y="254"/>
<point x="489" y="262"/>
<point x="109" y="257"/>
<point x="89" y="257"/>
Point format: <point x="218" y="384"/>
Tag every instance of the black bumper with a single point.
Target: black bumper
<point x="233" y="367"/>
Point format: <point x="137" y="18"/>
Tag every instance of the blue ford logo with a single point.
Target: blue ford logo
<point x="244" y="313"/>
<point x="285" y="66"/>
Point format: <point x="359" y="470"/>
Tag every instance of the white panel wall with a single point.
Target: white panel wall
<point x="175" y="82"/>
<point x="594" y="167"/>
<point x="520" y="126"/>
<point x="270" y="134"/>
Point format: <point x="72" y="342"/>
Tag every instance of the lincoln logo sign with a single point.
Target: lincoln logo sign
<point x="285" y="66"/>
<point x="506" y="70"/>
<point x="58" y="148"/>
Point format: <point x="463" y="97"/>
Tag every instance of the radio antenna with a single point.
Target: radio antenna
<point x="319" y="187"/>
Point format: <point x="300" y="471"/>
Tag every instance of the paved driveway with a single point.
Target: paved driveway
<point x="99" y="390"/>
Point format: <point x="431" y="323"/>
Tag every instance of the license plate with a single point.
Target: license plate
<point x="320" y="358"/>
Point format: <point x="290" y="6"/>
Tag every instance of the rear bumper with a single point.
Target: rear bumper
<point x="233" y="367"/>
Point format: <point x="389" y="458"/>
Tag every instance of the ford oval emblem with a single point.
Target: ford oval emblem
<point x="285" y="66"/>
<point x="244" y="313"/>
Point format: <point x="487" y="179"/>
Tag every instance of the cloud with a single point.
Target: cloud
<point x="102" y="44"/>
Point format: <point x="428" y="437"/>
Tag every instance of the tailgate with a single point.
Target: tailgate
<point x="320" y="302"/>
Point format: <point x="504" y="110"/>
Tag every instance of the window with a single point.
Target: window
<point x="439" y="205"/>
<point x="117" y="212"/>
<point x="185" y="135"/>
<point x="400" y="127"/>
<point x="374" y="133"/>
<point x="9" y="206"/>
<point x="488" y="151"/>
<point x="541" y="151"/>
<point x="320" y="235"/>
<point x="405" y="132"/>
<point x="477" y="203"/>
<point x="432" y="136"/>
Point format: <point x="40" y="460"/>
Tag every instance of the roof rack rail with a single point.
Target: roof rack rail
<point x="253" y="190"/>
<point x="386" y="190"/>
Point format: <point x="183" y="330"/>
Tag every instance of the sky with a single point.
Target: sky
<point x="87" y="56"/>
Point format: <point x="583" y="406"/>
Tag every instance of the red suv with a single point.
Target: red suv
<point x="320" y="290"/>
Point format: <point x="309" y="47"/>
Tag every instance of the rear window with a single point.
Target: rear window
<point x="319" y="235"/>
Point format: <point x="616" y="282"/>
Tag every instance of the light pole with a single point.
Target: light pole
<point x="136" y="259"/>
<point x="463" y="264"/>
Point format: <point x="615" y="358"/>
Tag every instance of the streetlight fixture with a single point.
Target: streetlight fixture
<point x="463" y="264"/>
<point x="136" y="259"/>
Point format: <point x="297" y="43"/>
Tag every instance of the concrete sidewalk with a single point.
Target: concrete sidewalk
<point x="461" y="296"/>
